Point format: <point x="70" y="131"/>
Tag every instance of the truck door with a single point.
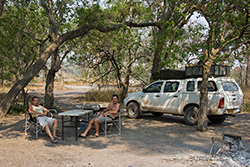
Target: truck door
<point x="151" y="98"/>
<point x="170" y="98"/>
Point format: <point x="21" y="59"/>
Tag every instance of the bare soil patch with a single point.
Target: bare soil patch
<point x="147" y="141"/>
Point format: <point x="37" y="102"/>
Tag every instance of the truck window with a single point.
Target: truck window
<point x="211" y="87"/>
<point x="171" y="86"/>
<point x="229" y="86"/>
<point x="154" y="88"/>
<point x="190" y="86"/>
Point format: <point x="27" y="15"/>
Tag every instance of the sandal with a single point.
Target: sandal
<point x="82" y="136"/>
<point x="57" y="138"/>
<point x="54" y="141"/>
<point x="96" y="136"/>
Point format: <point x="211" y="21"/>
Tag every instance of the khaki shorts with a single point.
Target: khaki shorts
<point x="43" y="121"/>
<point x="102" y="119"/>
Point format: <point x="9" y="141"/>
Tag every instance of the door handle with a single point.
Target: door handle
<point x="157" y="95"/>
<point x="175" y="96"/>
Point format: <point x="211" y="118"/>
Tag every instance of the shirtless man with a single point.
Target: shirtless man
<point x="43" y="120"/>
<point x="112" y="109"/>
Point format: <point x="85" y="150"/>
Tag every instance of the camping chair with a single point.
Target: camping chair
<point x="31" y="121"/>
<point x="116" y="123"/>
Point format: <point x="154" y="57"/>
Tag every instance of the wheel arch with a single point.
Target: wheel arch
<point x="191" y="104"/>
<point x="133" y="101"/>
<point x="136" y="102"/>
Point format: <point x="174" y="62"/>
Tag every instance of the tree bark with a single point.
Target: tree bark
<point x="55" y="61"/>
<point x="248" y="72"/>
<point x="124" y="90"/>
<point x="241" y="74"/>
<point x="202" y="115"/>
<point x="49" y="89"/>
<point x="157" y="59"/>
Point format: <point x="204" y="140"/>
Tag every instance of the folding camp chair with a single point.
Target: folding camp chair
<point x="116" y="123"/>
<point x="31" y="121"/>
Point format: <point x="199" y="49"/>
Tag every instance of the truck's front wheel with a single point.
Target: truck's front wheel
<point x="133" y="110"/>
<point x="191" y="116"/>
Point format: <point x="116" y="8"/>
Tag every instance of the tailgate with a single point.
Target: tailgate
<point x="233" y="95"/>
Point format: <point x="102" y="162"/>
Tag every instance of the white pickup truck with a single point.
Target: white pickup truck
<point x="182" y="96"/>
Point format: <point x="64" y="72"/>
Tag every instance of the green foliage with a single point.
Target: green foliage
<point x="18" y="48"/>
<point x="16" y="109"/>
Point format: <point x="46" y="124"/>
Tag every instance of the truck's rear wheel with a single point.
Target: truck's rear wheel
<point x="216" y="120"/>
<point x="133" y="110"/>
<point x="191" y="116"/>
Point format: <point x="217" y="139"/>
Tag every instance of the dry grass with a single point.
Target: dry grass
<point x="99" y="96"/>
<point x="246" y="92"/>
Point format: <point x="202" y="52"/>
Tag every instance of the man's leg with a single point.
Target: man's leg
<point x="96" y="124"/>
<point x="48" y="131"/>
<point x="44" y="123"/>
<point x="55" y="124"/>
<point x="87" y="128"/>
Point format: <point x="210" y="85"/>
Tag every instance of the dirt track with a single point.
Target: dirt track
<point x="148" y="141"/>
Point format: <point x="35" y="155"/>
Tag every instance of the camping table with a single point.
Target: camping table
<point x="73" y="113"/>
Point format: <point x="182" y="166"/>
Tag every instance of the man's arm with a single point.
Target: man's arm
<point x="46" y="110"/>
<point x="106" y="109"/>
<point x="103" y="111"/>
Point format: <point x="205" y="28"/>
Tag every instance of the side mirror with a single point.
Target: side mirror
<point x="143" y="90"/>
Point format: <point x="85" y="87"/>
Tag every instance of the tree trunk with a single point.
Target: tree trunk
<point x="49" y="88"/>
<point x="28" y="76"/>
<point x="61" y="79"/>
<point x="108" y="76"/>
<point x="248" y="72"/>
<point x="202" y="115"/>
<point x="25" y="100"/>
<point x="241" y="74"/>
<point x="124" y="90"/>
<point x="157" y="59"/>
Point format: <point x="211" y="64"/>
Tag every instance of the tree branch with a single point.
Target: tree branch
<point x="2" y="2"/>
<point x="102" y="76"/>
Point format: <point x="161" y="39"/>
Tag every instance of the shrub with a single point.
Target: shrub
<point x="247" y="107"/>
<point x="100" y="96"/>
<point x="16" y="109"/>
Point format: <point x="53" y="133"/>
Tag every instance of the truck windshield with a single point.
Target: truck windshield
<point x="229" y="86"/>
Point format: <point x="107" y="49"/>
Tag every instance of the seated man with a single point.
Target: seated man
<point x="112" y="109"/>
<point x="43" y="120"/>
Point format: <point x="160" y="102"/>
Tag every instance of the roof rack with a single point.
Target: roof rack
<point x="191" y="72"/>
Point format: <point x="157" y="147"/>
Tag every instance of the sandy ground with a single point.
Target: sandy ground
<point x="148" y="141"/>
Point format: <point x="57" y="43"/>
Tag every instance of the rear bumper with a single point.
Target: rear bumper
<point x="221" y="112"/>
